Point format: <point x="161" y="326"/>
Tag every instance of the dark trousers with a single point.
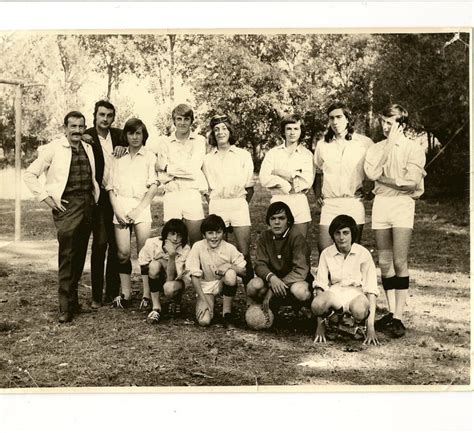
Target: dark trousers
<point x="104" y="242"/>
<point x="73" y="231"/>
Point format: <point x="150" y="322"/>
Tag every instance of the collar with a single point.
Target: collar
<point x="192" y="136"/>
<point x="232" y="148"/>
<point x="141" y="151"/>
<point x="335" y="251"/>
<point x="284" y="234"/>
<point x="282" y="146"/>
<point x="65" y="143"/>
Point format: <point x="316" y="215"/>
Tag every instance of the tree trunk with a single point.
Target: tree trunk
<point x="110" y="71"/>
<point x="172" y="40"/>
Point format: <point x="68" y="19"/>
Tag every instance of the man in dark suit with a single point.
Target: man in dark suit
<point x="106" y="143"/>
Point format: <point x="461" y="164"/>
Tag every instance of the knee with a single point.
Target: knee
<point x="255" y="287"/>
<point x="123" y="256"/>
<point x="230" y="278"/>
<point x="386" y="262"/>
<point x="172" y="288"/>
<point x="154" y="269"/>
<point x="401" y="266"/>
<point x="300" y="291"/>
<point x="319" y="306"/>
<point x="359" y="308"/>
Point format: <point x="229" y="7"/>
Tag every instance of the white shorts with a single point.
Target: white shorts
<point x="333" y="207"/>
<point x="127" y="204"/>
<point x="212" y="287"/>
<point x="234" y="211"/>
<point x="298" y="203"/>
<point x="345" y="295"/>
<point x="183" y="204"/>
<point x="388" y="212"/>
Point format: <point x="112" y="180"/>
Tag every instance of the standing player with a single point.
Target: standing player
<point x="229" y="173"/>
<point x="339" y="161"/>
<point x="131" y="187"/>
<point x="106" y="143"/>
<point x="287" y="171"/>
<point x="179" y="163"/>
<point x="282" y="264"/>
<point x="396" y="164"/>
<point x="346" y="281"/>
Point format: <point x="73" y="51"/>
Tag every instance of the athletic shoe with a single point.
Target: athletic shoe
<point x="229" y="320"/>
<point x="65" y="316"/>
<point x="154" y="317"/>
<point x="145" y="304"/>
<point x="120" y="302"/>
<point x="397" y="328"/>
<point x="384" y="322"/>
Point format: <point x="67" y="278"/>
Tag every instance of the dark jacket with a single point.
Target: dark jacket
<point x="116" y="135"/>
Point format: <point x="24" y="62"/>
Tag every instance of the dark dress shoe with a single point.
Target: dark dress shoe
<point x="65" y="317"/>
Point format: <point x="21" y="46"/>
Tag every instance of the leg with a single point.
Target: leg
<point x="194" y="230"/>
<point x="359" y="308"/>
<point x="383" y="239"/>
<point x="300" y="290"/>
<point x="142" y="233"/>
<point x="157" y="278"/>
<point x="324" y="240"/>
<point x="204" y="319"/>
<point x="303" y="228"/>
<point x="122" y="236"/>
<point x="401" y="245"/>
<point x="229" y="290"/>
<point x="242" y="239"/>
<point x="112" y="279"/>
<point x="360" y="229"/>
<point x="98" y="250"/>
<point x="256" y="290"/>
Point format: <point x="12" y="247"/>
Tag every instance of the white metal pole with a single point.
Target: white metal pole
<point x="18" y="96"/>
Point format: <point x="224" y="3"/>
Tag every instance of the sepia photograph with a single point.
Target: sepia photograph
<point x="234" y="210"/>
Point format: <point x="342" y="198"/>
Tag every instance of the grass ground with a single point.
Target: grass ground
<point x="117" y="348"/>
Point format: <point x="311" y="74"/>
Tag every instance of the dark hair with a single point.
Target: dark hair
<point x="183" y="110"/>
<point x="131" y="125"/>
<point x="396" y="110"/>
<point x="177" y="226"/>
<point x="277" y="207"/>
<point x="341" y="222"/>
<point x="212" y="223"/>
<point x="292" y="118"/>
<point x="350" y="121"/>
<point x="75" y="115"/>
<point x="102" y="103"/>
<point x="215" y="120"/>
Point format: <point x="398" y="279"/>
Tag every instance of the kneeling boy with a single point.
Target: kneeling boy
<point x="162" y="259"/>
<point x="346" y="281"/>
<point x="213" y="265"/>
<point x="283" y="263"/>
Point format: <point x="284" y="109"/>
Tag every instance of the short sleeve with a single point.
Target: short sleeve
<point x="193" y="262"/>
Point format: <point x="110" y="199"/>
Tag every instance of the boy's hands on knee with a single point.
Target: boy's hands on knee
<point x="277" y="286"/>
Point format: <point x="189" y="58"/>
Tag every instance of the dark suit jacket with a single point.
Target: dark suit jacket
<point x="116" y="135"/>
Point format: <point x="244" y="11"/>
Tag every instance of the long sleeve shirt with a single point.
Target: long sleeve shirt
<point x="404" y="162"/>
<point x="54" y="160"/>
<point x="357" y="269"/>
<point x="228" y="172"/>
<point x="180" y="163"/>
<point x="299" y="163"/>
<point x="288" y="258"/>
<point x="342" y="164"/>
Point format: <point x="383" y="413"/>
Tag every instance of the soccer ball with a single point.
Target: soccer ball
<point x="257" y="318"/>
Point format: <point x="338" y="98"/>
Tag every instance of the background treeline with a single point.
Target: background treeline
<point x="255" y="78"/>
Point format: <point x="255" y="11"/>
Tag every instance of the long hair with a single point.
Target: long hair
<point x="277" y="207"/>
<point x="131" y="125"/>
<point x="177" y="226"/>
<point x="221" y="118"/>
<point x="350" y="121"/>
<point x="396" y="110"/>
<point x="292" y="118"/>
<point x="341" y="222"/>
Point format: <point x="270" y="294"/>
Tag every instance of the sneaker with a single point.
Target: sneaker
<point x="65" y="317"/>
<point x="397" y="328"/>
<point x="154" y="317"/>
<point x="384" y="322"/>
<point x="229" y="320"/>
<point x="145" y="304"/>
<point x="120" y="302"/>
